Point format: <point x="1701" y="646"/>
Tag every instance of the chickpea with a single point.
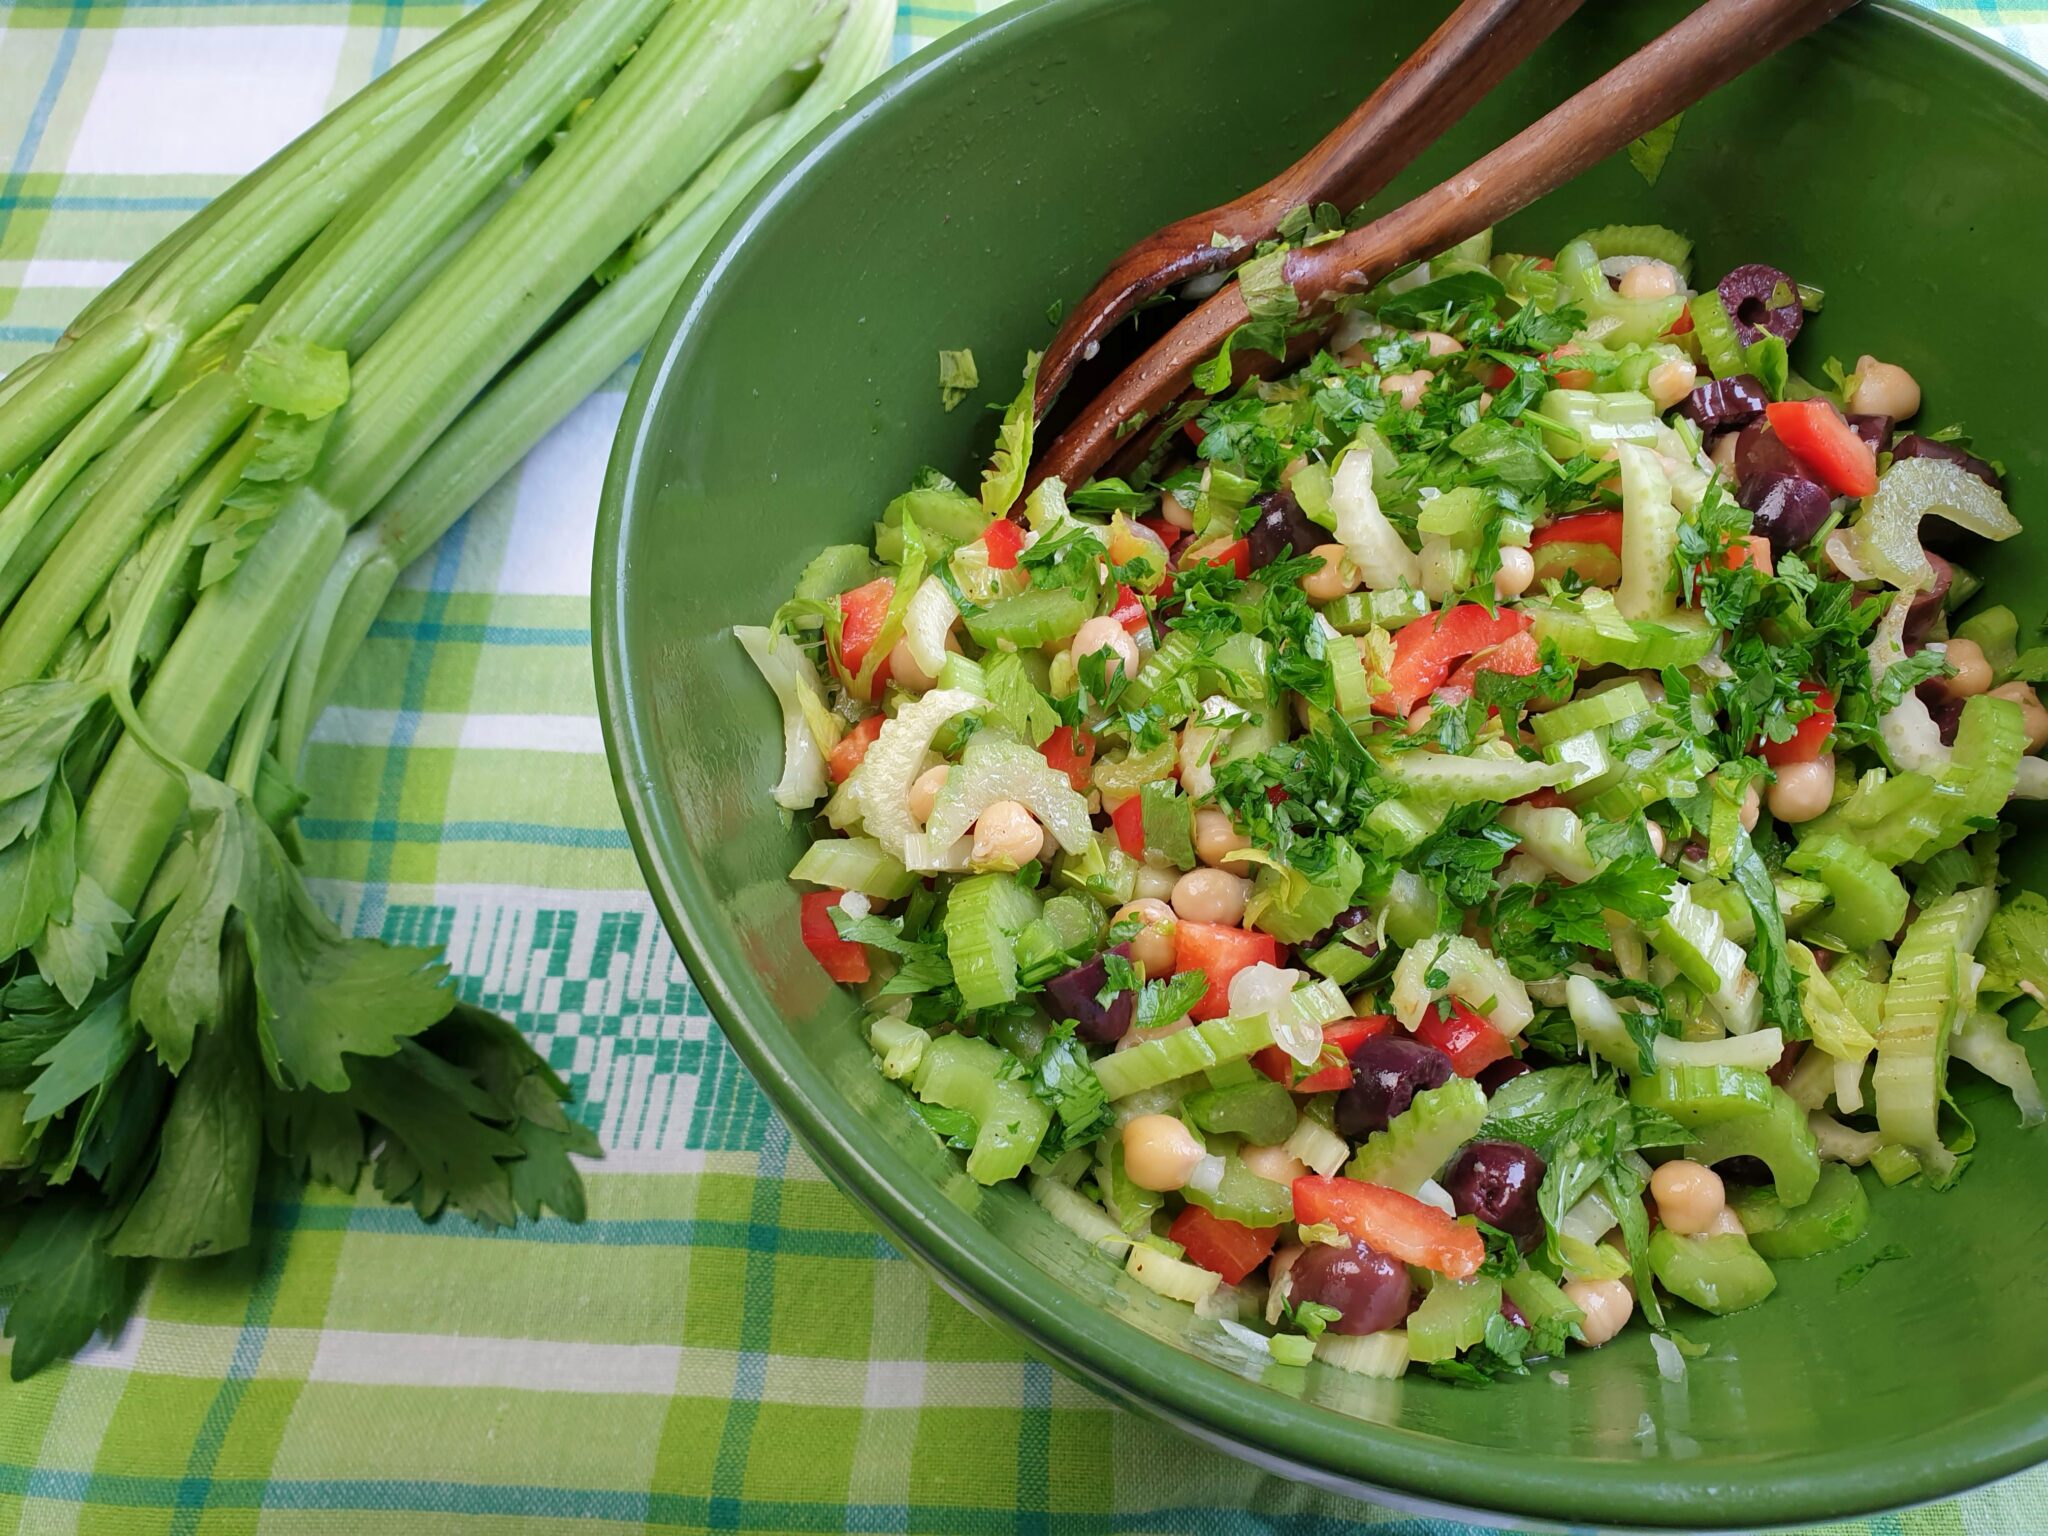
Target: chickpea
<point x="1752" y="806"/>
<point x="1176" y="515"/>
<point x="1336" y="576"/>
<point x="1441" y="344"/>
<point x="1154" y="882"/>
<point x="1726" y="1224"/>
<point x="904" y="670"/>
<point x="1517" y="571"/>
<point x="1656" y="840"/>
<point x="1420" y="716"/>
<point x="1648" y="280"/>
<point x="1275" y="1163"/>
<point x="1159" y="1152"/>
<point x="1607" y="1306"/>
<point x="1689" y="1196"/>
<point x="1804" y="790"/>
<point x="1008" y="835"/>
<point x="2032" y="716"/>
<point x="1105" y="633"/>
<point x="1153" y="947"/>
<point x="1485" y="401"/>
<point x="1883" y="389"/>
<point x="1408" y="386"/>
<point x="1215" y="838"/>
<point x="1671" y="381"/>
<point x="1210" y="896"/>
<point x="924" y="792"/>
<point x="1972" y="668"/>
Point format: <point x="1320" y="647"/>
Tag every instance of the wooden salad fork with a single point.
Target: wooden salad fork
<point x="1459" y="63"/>
<point x="1719" y="41"/>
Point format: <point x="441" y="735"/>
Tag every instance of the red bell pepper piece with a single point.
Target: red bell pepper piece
<point x="1515" y="656"/>
<point x="1129" y="821"/>
<point x="1168" y="534"/>
<point x="861" y="613"/>
<point x="852" y="747"/>
<point x="1194" y="432"/>
<point x="1072" y="751"/>
<point x="1395" y="1224"/>
<point x="1586" y="542"/>
<point x="1226" y="1248"/>
<point x="843" y="959"/>
<point x="1826" y="444"/>
<point x="1682" y="324"/>
<point x="1810" y="737"/>
<point x="1499" y="376"/>
<point x="1237" y="555"/>
<point x="1130" y="611"/>
<point x="1472" y="1044"/>
<point x="1219" y="953"/>
<point x="1569" y="378"/>
<point x="1004" y="541"/>
<point x="1426" y="649"/>
<point x="1344" y="1037"/>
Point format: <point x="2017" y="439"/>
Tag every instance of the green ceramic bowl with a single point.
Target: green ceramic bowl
<point x="1896" y="160"/>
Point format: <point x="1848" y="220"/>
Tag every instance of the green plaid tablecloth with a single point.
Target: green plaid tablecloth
<point x="726" y="1344"/>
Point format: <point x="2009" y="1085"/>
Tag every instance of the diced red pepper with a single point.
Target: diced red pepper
<point x="852" y="747"/>
<point x="1275" y="794"/>
<point x="1005" y="541"/>
<point x="1130" y="611"/>
<point x="861" y="613"/>
<point x="1516" y="656"/>
<point x="1810" y="737"/>
<point x="1129" y="821"/>
<point x="1194" y="432"/>
<point x="1826" y="444"/>
<point x="1237" y="555"/>
<point x="1072" y="751"/>
<point x="1472" y="1044"/>
<point x="1344" y="1037"/>
<point x="1397" y="1225"/>
<point x="1168" y="534"/>
<point x="1682" y="324"/>
<point x="1588" y="543"/>
<point x="1750" y="549"/>
<point x="1426" y="649"/>
<point x="1499" y="376"/>
<point x="1569" y="378"/>
<point x="1226" y="1248"/>
<point x="843" y="959"/>
<point x="1581" y="528"/>
<point x="1219" y="953"/>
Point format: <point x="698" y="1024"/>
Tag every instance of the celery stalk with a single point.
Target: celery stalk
<point x="1927" y="993"/>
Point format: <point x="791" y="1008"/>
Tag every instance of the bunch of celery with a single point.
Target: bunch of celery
<point x="206" y="491"/>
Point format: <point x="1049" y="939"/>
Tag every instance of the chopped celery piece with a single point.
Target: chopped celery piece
<point x="1982" y="1041"/>
<point x="1697" y="1097"/>
<point x="1242" y="1196"/>
<point x="1401" y="826"/>
<point x="1352" y="687"/>
<point x="1996" y="631"/>
<point x="1554" y="836"/>
<point x="944" y="513"/>
<point x="1869" y="900"/>
<point x="994" y="769"/>
<point x="809" y="729"/>
<point x="1317" y="1146"/>
<point x="1833" y="1217"/>
<point x="1599" y="1023"/>
<point x="1595" y="423"/>
<point x="899" y="1044"/>
<point x="1649" y="537"/>
<point x="1119" y="778"/>
<point x="1895" y="1165"/>
<point x="853" y="864"/>
<point x="1911" y="816"/>
<point x="1034" y="617"/>
<point x="1015" y="698"/>
<point x="1607" y="707"/>
<point x="1777" y="1134"/>
<point x="1421" y="1139"/>
<point x="1472" y="974"/>
<point x="1262" y="1111"/>
<point x="1169" y="824"/>
<point x="1175" y="1279"/>
<point x="1358" y="613"/>
<point x="985" y="914"/>
<point x="1063" y="934"/>
<point x="1295" y="906"/>
<point x="1382" y="1356"/>
<point x="835" y="569"/>
<point x="880" y="787"/>
<point x="1885" y="540"/>
<point x="1543" y="1302"/>
<point x="1462" y="780"/>
<point x="1651" y="240"/>
<point x="1927" y="992"/>
<point x="1101" y="870"/>
<point x="1291" y="1348"/>
<point x="1616" y="321"/>
<point x="1452" y="1317"/>
<point x="1461" y="513"/>
<point x="959" y="1072"/>
<point x="1693" y="938"/>
<point x="1176" y="1055"/>
<point x="966" y="674"/>
<point x="1595" y="772"/>
<point x="1719" y="344"/>
<point x="1082" y="1217"/>
<point x="1414" y="910"/>
<point x="1593" y="631"/>
<point x="1719" y="1274"/>
<point x="1130" y="1205"/>
<point x="1341" y="960"/>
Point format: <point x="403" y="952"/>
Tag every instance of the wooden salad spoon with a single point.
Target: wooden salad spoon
<point x="1440" y="82"/>
<point x="1719" y="41"/>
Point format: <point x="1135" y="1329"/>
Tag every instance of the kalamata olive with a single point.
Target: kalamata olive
<point x="1788" y="509"/>
<point x="1387" y="1072"/>
<point x="1717" y="405"/>
<point x="1918" y="447"/>
<point x="1760" y="299"/>
<point x="1282" y="526"/>
<point x="1497" y="1182"/>
<point x="1513" y="1313"/>
<point x="1928" y="602"/>
<point x="1370" y="1289"/>
<point x="1072" y="994"/>
<point x="1874" y="430"/>
<point x="1788" y="1058"/>
<point x="1504" y="1070"/>
<point x="1343" y="922"/>
<point x="1759" y="450"/>
<point x="1744" y="1170"/>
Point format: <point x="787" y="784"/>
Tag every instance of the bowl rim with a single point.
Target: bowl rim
<point x="1405" y="1467"/>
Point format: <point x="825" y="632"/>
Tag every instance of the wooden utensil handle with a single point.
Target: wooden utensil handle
<point x="1712" y="46"/>
<point x="1466" y="57"/>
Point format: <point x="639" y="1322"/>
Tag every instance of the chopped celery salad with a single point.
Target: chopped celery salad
<point x="1451" y="853"/>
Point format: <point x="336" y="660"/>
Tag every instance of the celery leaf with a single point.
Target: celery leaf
<point x="66" y="1286"/>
